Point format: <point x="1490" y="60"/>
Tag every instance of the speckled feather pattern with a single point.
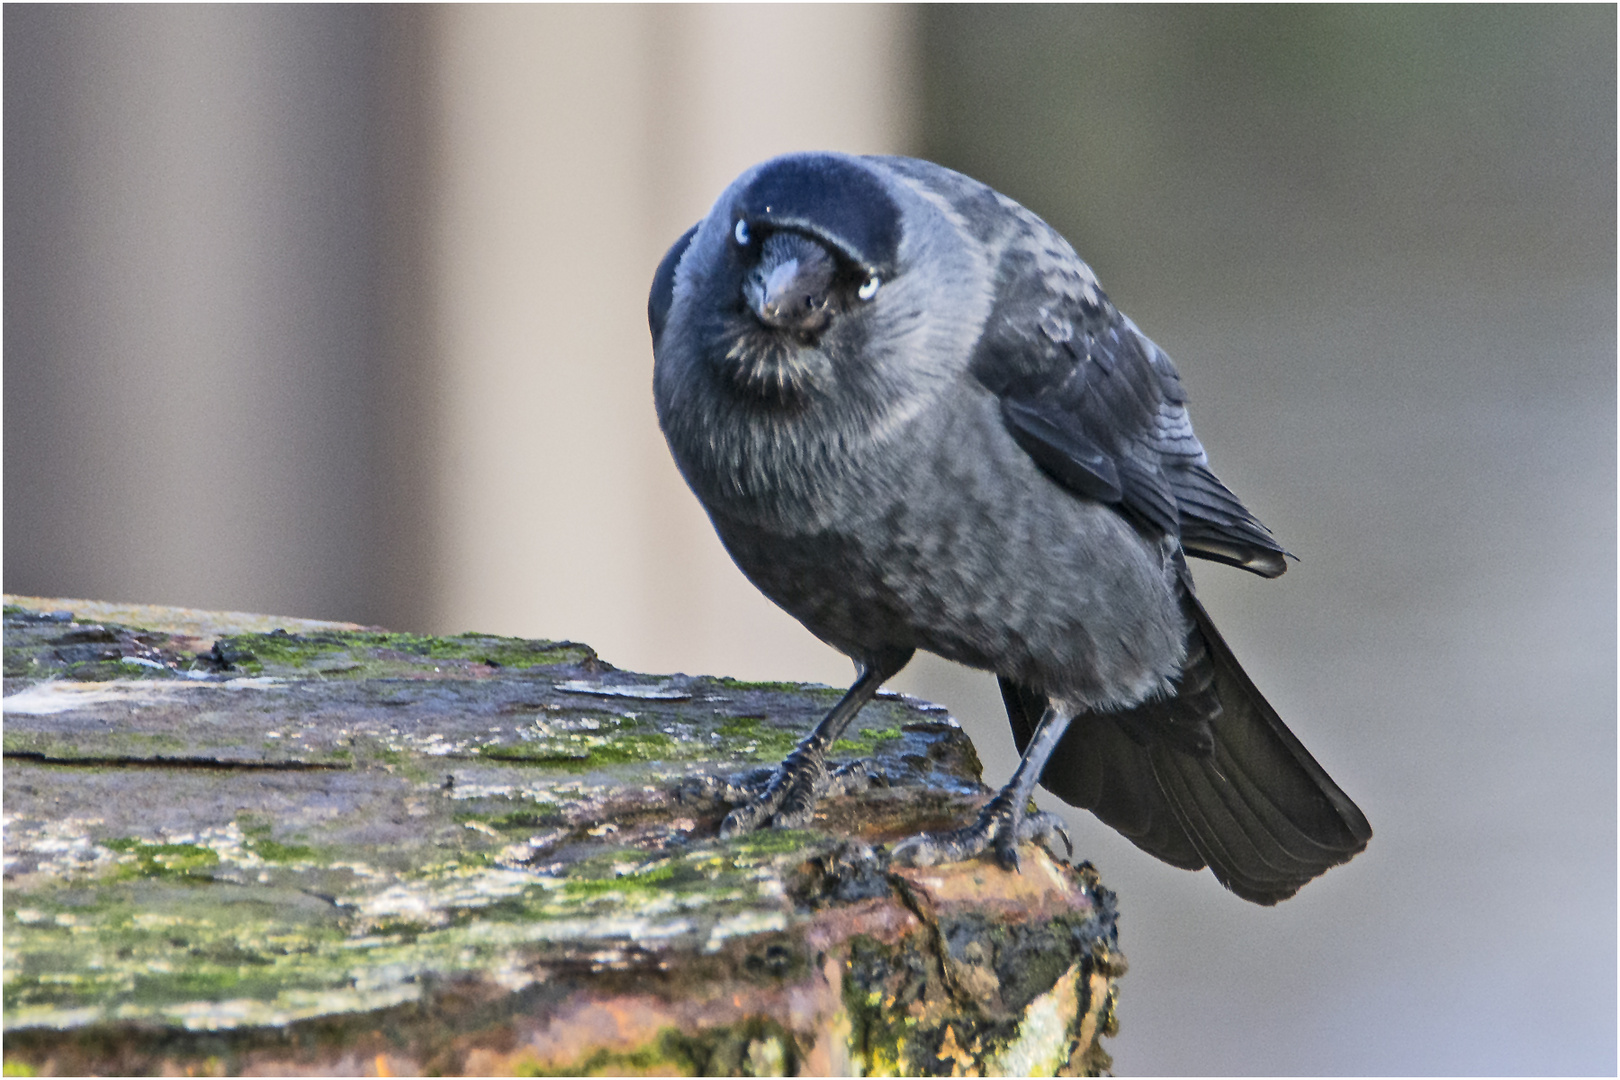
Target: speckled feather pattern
<point x="969" y="558"/>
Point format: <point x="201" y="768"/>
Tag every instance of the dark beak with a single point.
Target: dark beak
<point x="791" y="288"/>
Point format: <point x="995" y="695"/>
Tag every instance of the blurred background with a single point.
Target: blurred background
<point x="339" y="312"/>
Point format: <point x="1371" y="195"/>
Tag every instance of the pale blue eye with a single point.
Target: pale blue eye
<point x="741" y="233"/>
<point x="868" y="290"/>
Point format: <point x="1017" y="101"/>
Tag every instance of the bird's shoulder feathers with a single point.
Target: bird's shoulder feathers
<point x="1099" y="406"/>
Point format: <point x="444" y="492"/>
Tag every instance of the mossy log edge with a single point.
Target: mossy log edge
<point x="294" y="847"/>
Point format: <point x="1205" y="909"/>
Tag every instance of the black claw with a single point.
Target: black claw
<point x="997" y="829"/>
<point x="739" y="821"/>
<point x="786" y="796"/>
<point x="852" y="778"/>
<point x="1041" y="828"/>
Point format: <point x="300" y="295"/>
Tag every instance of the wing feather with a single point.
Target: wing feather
<point x="662" y="294"/>
<point x="1101" y="408"/>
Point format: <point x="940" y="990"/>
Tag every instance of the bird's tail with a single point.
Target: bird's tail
<point x="1210" y="777"/>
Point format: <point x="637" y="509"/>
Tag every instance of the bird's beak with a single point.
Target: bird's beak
<point x="784" y="294"/>
<point x="793" y="291"/>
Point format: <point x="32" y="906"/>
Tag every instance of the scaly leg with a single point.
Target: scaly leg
<point x="1002" y="822"/>
<point x="789" y="799"/>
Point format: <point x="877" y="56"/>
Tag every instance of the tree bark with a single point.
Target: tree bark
<point x="238" y="844"/>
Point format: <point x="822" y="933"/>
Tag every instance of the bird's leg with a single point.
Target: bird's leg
<point x="789" y="799"/>
<point x="1002" y="822"/>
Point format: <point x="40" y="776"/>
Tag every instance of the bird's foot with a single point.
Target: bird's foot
<point x="791" y="792"/>
<point x="1001" y="826"/>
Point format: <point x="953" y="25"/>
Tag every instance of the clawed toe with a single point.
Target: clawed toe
<point x="726" y="789"/>
<point x="791" y="791"/>
<point x="852" y="778"/>
<point x="1043" y="828"/>
<point x="997" y="828"/>
<point x="745" y="818"/>
<point x="932" y="849"/>
<point x="783" y="804"/>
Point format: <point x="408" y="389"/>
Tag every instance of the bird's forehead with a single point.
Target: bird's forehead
<point x="837" y="200"/>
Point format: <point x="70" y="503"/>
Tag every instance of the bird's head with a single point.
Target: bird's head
<point x="788" y="269"/>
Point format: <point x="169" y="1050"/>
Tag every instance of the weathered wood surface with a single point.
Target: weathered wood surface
<point x="240" y="844"/>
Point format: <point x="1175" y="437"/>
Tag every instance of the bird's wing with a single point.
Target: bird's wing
<point x="1100" y="407"/>
<point x="662" y="294"/>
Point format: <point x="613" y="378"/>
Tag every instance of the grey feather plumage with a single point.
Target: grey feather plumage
<point x="955" y="442"/>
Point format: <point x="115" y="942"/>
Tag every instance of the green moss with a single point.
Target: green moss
<point x="758" y="1046"/>
<point x="346" y="894"/>
<point x="36" y="742"/>
<point x="651" y="746"/>
<point x="479" y="648"/>
<point x="20" y="665"/>
<point x="580" y="758"/>
<point x="110" y="744"/>
<point x="279" y="953"/>
<point x="256" y="838"/>
<point x="151" y="742"/>
<point x="366" y="751"/>
<point x="39" y="647"/>
<point x="372" y="654"/>
<point x="767" y="842"/>
<point x="534" y="754"/>
<point x="643" y="879"/>
<point x="18" y="1068"/>
<point x="271" y="851"/>
<point x="778" y="687"/>
<point x="616" y="740"/>
<point x="764" y="741"/>
<point x="759" y="740"/>
<point x="167" y="948"/>
<point x="866" y="742"/>
<point x="878" y="1030"/>
<point x="522" y="820"/>
<point x="182" y="861"/>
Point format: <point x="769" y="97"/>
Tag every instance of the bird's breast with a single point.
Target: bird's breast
<point x="945" y="536"/>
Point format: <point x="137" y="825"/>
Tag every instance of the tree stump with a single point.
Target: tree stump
<point x="240" y="844"/>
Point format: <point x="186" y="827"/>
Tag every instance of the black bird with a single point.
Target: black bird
<point x="917" y="422"/>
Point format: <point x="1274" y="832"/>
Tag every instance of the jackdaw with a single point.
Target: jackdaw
<point x="917" y="422"/>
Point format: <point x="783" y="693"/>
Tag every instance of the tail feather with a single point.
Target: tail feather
<point x="1265" y="816"/>
<point x="1251" y="802"/>
<point x="1098" y="767"/>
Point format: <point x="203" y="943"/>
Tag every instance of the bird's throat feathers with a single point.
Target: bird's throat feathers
<point x="770" y="367"/>
<point x="765" y="429"/>
<point x="757" y="455"/>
